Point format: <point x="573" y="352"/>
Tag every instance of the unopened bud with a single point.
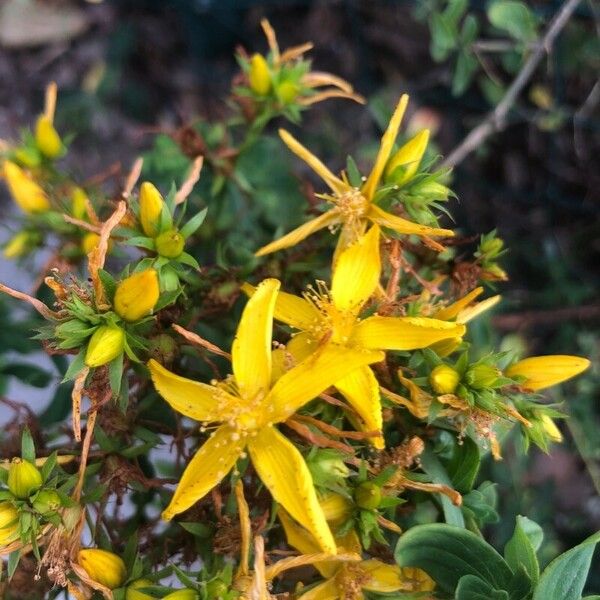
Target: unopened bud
<point x="30" y="197"/>
<point x="23" y="478"/>
<point x="89" y="242"/>
<point x="432" y="189"/>
<point x="494" y="273"/>
<point x="133" y="592"/>
<point x="491" y="247"/>
<point x="46" y="501"/>
<point x="9" y="524"/>
<point x="18" y="245"/>
<point x="552" y="431"/>
<point x="79" y="202"/>
<point x="259" y="76"/>
<point x="444" y="379"/>
<point x="105" y="568"/>
<point x="106" y="344"/>
<point x="287" y="92"/>
<point x="46" y="138"/>
<point x="480" y="377"/>
<point x="408" y="156"/>
<point x="151" y="205"/>
<point x="170" y="244"/>
<point x="137" y="295"/>
<point x="216" y="589"/>
<point x="186" y="594"/>
<point x="163" y="348"/>
<point x="367" y="495"/>
<point x="28" y="157"/>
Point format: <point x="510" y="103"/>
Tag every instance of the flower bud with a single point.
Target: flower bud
<point x="170" y="244"/>
<point x="46" y="138"/>
<point x="105" y="568"/>
<point x="133" y="592"/>
<point x="541" y="372"/>
<point x="28" y="157"/>
<point x="491" y="247"/>
<point x="409" y="156"/>
<point x="9" y="523"/>
<point x="79" y="202"/>
<point x="23" y="478"/>
<point x="105" y="345"/>
<point x="481" y="376"/>
<point x="163" y="348"/>
<point x="151" y="205"/>
<point x="444" y="379"/>
<point x="367" y="495"/>
<point x="46" y="501"/>
<point x="18" y="245"/>
<point x="185" y="594"/>
<point x="552" y="431"/>
<point x="89" y="242"/>
<point x="216" y="588"/>
<point x="137" y="295"/>
<point x="287" y="92"/>
<point x="259" y="76"/>
<point x="432" y="189"/>
<point x="30" y="197"/>
<point x="494" y="273"/>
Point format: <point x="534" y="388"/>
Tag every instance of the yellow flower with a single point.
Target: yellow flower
<point x="444" y="379"/>
<point x="259" y="76"/>
<point x="137" y="295"/>
<point x="9" y="524"/>
<point x="105" y="345"/>
<point x="105" y="568"/>
<point x="17" y="245"/>
<point x="30" y="197"/>
<point x="409" y="157"/>
<point x="349" y="579"/>
<point x="46" y="138"/>
<point x="248" y="406"/>
<point x="323" y="314"/>
<point x="23" y="478"/>
<point x="151" y="205"/>
<point x="353" y="208"/>
<point x="541" y="372"/>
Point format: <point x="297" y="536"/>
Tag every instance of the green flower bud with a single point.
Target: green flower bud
<point x="163" y="348"/>
<point x="491" y="247"/>
<point x="367" y="495"/>
<point x="9" y="524"/>
<point x="287" y="92"/>
<point x="28" y="157"/>
<point x="106" y="344"/>
<point x="105" y="568"/>
<point x="46" y="501"/>
<point x="481" y="376"/>
<point x="216" y="589"/>
<point x="133" y="592"/>
<point x="444" y="379"/>
<point x="23" y="478"/>
<point x="170" y="244"/>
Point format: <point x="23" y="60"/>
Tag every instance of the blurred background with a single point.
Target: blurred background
<point x="129" y="70"/>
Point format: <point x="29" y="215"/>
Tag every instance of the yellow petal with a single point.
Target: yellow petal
<point x="545" y="371"/>
<point x="409" y="156"/>
<point x="210" y="465"/>
<point x="403" y="333"/>
<point x="335" y="507"/>
<point x="314" y="375"/>
<point x="328" y="590"/>
<point x="301" y="346"/>
<point x="301" y="233"/>
<point x="382" y="577"/>
<point x="283" y="470"/>
<point x="361" y="390"/>
<point x="335" y="183"/>
<point x="385" y="148"/>
<point x="400" y="225"/>
<point x="446" y="347"/>
<point x="191" y="398"/>
<point x="469" y="313"/>
<point x="251" y="350"/>
<point x="29" y="196"/>
<point x="451" y="311"/>
<point x="356" y="272"/>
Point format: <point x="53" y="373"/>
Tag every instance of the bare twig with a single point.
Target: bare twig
<point x="496" y="119"/>
<point x="546" y="317"/>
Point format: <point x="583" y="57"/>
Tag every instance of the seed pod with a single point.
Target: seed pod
<point x="259" y="76"/>
<point x="151" y="205"/>
<point x="46" y="501"/>
<point x="23" y="478"/>
<point x="105" y="568"/>
<point x="367" y="495"/>
<point x="30" y="197"/>
<point x="136" y="295"/>
<point x="106" y="343"/>
<point x="444" y="379"/>
<point x="170" y="244"/>
<point x="186" y="594"/>
<point x="9" y="524"/>
<point x="46" y="138"/>
<point x="133" y="592"/>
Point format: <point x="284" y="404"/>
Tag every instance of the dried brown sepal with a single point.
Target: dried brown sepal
<point x="190" y="181"/>
<point x="196" y="340"/>
<point x="37" y="304"/>
<point x="76" y="396"/>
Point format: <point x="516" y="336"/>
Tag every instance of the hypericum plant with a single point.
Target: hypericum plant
<point x="354" y="415"/>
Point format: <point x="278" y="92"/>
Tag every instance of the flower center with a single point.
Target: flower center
<point x="352" y="204"/>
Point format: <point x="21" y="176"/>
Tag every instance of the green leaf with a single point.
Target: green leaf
<point x="192" y="225"/>
<point x="564" y="578"/>
<point x="471" y="587"/>
<point x="115" y="374"/>
<point x="448" y="553"/>
<point x="464" y="465"/>
<point x="28" y="374"/>
<point x="13" y="562"/>
<point x="27" y="446"/>
<point x="516" y="18"/>
<point x="520" y="551"/>
<point x="444" y="37"/>
<point x="466" y="66"/>
<point x="75" y="367"/>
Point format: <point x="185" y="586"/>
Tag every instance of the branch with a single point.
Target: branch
<point x="496" y="119"/>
